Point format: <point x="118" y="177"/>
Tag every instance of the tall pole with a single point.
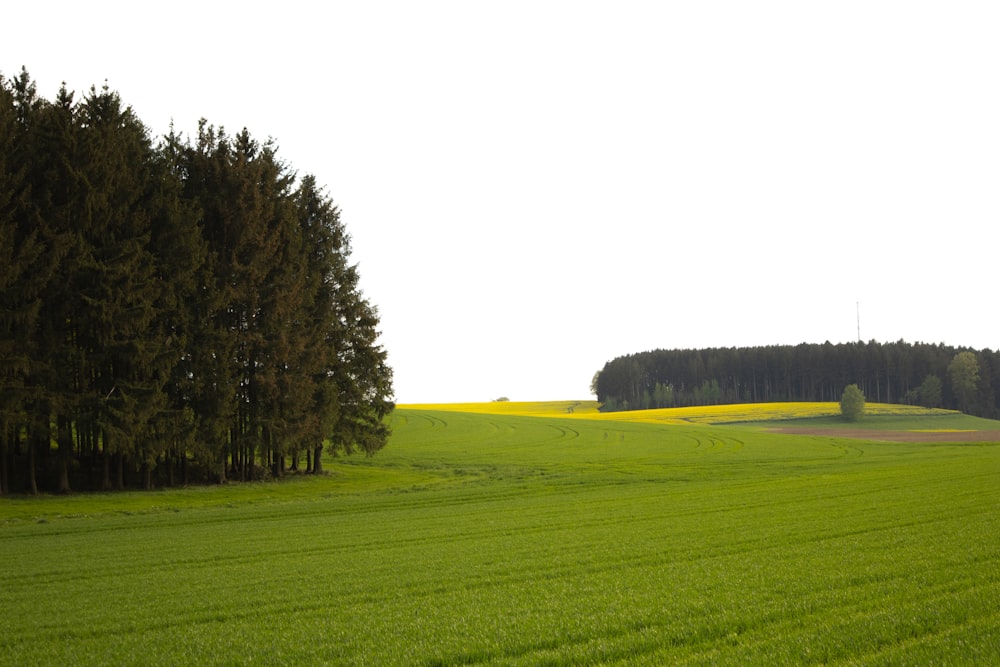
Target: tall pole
<point x="857" y="306"/>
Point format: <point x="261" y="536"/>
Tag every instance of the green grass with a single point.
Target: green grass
<point x="951" y="421"/>
<point x="518" y="540"/>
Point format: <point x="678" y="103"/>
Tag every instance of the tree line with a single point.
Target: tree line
<point x="170" y="308"/>
<point x="933" y="375"/>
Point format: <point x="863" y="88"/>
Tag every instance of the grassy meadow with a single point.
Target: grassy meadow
<point x="541" y="533"/>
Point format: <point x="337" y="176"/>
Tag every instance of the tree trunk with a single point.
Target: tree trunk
<point x="105" y="463"/>
<point x="89" y="454"/>
<point x="275" y="473"/>
<point x="64" y="438"/>
<point x="62" y="486"/>
<point x="120" y="482"/>
<point x="4" y="480"/>
<point x="106" y="471"/>
<point x="318" y="460"/>
<point x="32" y="482"/>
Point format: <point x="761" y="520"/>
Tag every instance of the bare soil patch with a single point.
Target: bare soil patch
<point x="896" y="436"/>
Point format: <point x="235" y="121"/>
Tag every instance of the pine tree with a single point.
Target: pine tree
<point x="247" y="221"/>
<point x="22" y="270"/>
<point x="354" y="382"/>
<point x="54" y="374"/>
<point x="131" y="352"/>
<point x="209" y="380"/>
<point x="180" y="252"/>
<point x="172" y="300"/>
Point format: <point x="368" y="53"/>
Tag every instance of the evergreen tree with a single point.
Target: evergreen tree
<point x="180" y="251"/>
<point x="964" y="373"/>
<point x="805" y="372"/>
<point x="210" y="363"/>
<point x="352" y="383"/>
<point x="22" y="267"/>
<point x="55" y="375"/>
<point x="171" y="300"/>
<point x="145" y="254"/>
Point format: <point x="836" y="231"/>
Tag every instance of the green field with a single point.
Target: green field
<point x="560" y="538"/>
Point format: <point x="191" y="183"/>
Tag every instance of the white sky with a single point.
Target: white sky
<point x="534" y="188"/>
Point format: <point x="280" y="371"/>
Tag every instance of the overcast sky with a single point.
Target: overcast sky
<point x="534" y="188"/>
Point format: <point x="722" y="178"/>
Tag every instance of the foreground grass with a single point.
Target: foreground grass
<point x="509" y="539"/>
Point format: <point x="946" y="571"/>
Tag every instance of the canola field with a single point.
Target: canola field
<point x="705" y="414"/>
<point x="527" y="534"/>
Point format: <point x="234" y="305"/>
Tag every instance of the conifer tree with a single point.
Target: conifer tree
<point x="123" y="289"/>
<point x="180" y="252"/>
<point x="353" y="380"/>
<point x="54" y="375"/>
<point x="22" y="269"/>
<point x="211" y="379"/>
<point x="248" y="227"/>
<point x="171" y="300"/>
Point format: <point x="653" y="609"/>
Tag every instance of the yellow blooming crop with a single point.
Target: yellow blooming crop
<point x="520" y="408"/>
<point x="704" y="414"/>
<point x="942" y="430"/>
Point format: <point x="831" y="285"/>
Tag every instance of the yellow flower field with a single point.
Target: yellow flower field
<point x="521" y="408"/>
<point x="706" y="414"/>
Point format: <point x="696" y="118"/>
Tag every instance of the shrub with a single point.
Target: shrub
<point x="852" y="403"/>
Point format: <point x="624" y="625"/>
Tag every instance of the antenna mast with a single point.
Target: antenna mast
<point x="857" y="306"/>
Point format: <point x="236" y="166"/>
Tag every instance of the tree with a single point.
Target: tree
<point x="353" y="380"/>
<point x="852" y="403"/>
<point x="663" y="396"/>
<point x="930" y="392"/>
<point x="54" y="184"/>
<point x="177" y="244"/>
<point x="23" y="268"/>
<point x="158" y="302"/>
<point x="964" y="373"/>
<point x="806" y="372"/>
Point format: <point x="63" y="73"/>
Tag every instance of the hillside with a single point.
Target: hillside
<point x="820" y="414"/>
<point x="931" y="375"/>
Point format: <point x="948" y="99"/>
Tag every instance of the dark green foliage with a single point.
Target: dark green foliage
<point x="885" y="372"/>
<point x="964" y="373"/>
<point x="930" y="392"/>
<point x="852" y="403"/>
<point x="172" y="304"/>
<point x="22" y="271"/>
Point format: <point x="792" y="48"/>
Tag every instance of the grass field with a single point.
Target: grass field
<point x="526" y="534"/>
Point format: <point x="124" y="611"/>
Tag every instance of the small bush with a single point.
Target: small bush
<point x="852" y="403"/>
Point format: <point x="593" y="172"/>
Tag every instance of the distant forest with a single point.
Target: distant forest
<point x="912" y="373"/>
<point x="170" y="309"/>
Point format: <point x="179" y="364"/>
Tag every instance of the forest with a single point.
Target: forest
<point x="932" y="375"/>
<point x="171" y="310"/>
